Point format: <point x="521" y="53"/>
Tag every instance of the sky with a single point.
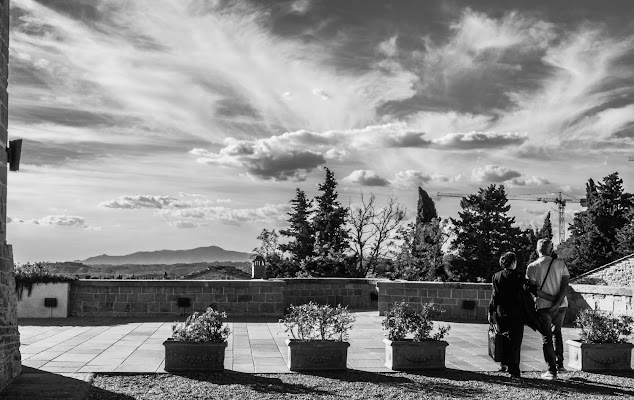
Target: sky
<point x="165" y="124"/>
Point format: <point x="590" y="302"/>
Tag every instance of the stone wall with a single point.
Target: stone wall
<point x="358" y="294"/>
<point x="607" y="298"/>
<point x="460" y="300"/>
<point x="10" y="360"/>
<point x="135" y="298"/>
<point x="618" y="273"/>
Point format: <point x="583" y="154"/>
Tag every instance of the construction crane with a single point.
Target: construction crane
<point x="559" y="200"/>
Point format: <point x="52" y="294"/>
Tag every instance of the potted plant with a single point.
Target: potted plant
<point x="425" y="349"/>
<point x="318" y="334"/>
<point x="602" y="344"/>
<point x="198" y="344"/>
<point x="46" y="292"/>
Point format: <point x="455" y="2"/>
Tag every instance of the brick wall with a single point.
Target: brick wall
<point x="354" y="293"/>
<point x="134" y="298"/>
<point x="10" y="360"/>
<point x="460" y="300"/>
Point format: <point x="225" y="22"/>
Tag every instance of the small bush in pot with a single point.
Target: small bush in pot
<point x="425" y="349"/>
<point x="603" y="341"/>
<point x="318" y="334"/>
<point x="198" y="344"/>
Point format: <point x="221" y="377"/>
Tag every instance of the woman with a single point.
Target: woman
<point x="505" y="311"/>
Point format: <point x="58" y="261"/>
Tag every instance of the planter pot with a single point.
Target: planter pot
<point x="191" y="356"/>
<point x="409" y="355"/>
<point x="599" y="356"/>
<point x="34" y="305"/>
<point x="317" y="355"/>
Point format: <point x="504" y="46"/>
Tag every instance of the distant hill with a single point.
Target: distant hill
<point x="211" y="270"/>
<point x="198" y="255"/>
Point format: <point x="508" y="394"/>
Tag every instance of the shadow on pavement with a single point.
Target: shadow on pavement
<point x="35" y="384"/>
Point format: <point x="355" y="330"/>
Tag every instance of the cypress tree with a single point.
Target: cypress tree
<point x="300" y="232"/>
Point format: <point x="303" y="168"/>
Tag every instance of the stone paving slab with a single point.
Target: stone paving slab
<point x="76" y="345"/>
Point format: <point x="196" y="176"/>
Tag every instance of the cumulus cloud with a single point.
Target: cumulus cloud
<point x="529" y="181"/>
<point x="494" y="174"/>
<point x="366" y="178"/>
<point x="59" y="220"/>
<point x="142" y="201"/>
<point x="479" y="140"/>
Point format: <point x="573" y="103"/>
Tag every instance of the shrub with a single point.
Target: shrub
<point x="603" y="327"/>
<point x="28" y="274"/>
<point x="318" y="322"/>
<point x="401" y="320"/>
<point x="205" y="327"/>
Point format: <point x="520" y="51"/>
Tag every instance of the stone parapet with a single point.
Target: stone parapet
<point x="468" y="301"/>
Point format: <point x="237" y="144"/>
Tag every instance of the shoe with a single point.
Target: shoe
<point x="549" y="376"/>
<point x="503" y="368"/>
<point x="561" y="368"/>
<point x="516" y="375"/>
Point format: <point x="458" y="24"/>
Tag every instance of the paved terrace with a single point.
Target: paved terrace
<point x="82" y="345"/>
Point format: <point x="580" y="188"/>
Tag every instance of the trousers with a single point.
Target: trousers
<point x="550" y="328"/>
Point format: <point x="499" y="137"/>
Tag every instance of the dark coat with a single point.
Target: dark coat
<point x="512" y="300"/>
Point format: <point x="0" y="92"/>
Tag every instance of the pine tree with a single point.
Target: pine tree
<point x="330" y="218"/>
<point x="331" y="234"/>
<point x="482" y="234"/>
<point x="597" y="233"/>
<point x="301" y="245"/>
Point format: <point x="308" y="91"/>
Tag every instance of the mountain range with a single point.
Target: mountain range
<point x="197" y="255"/>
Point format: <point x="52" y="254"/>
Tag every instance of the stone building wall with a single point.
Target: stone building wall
<point x="10" y="360"/>
<point x="619" y="273"/>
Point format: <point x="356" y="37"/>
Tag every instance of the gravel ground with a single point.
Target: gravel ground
<point x="448" y="384"/>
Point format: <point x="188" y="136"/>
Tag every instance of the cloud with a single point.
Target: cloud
<point x="267" y="214"/>
<point x="531" y="181"/>
<point x="142" y="201"/>
<point x="407" y="139"/>
<point x="301" y="6"/>
<point x="366" y="178"/>
<point x="59" y="220"/>
<point x="479" y="140"/>
<point x="321" y="93"/>
<point x="493" y="173"/>
<point x="186" y="224"/>
<point x="389" y="47"/>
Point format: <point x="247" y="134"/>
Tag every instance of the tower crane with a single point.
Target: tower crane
<point x="559" y="200"/>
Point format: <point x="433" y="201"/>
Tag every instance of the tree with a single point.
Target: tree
<point x="331" y="234"/>
<point x="371" y="231"/>
<point x="268" y="248"/>
<point x="597" y="233"/>
<point x="625" y="237"/>
<point x="421" y="259"/>
<point x="546" y="231"/>
<point x="301" y="245"/>
<point x="482" y="233"/>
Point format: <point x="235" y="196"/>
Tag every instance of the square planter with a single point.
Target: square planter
<point x="33" y="305"/>
<point x="317" y="355"/>
<point x="190" y="356"/>
<point x="599" y="356"/>
<point x="406" y="355"/>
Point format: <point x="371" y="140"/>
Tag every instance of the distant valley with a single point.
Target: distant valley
<point x="211" y="262"/>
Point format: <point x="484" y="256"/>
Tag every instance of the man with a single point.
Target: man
<point x="550" y="275"/>
<point x="505" y="311"/>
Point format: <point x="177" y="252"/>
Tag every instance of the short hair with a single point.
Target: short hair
<point x="507" y="260"/>
<point x="544" y="247"/>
